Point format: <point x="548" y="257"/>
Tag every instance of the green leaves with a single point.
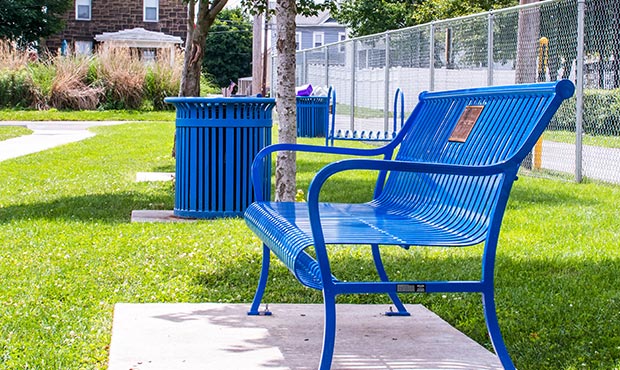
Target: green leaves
<point x="366" y="17"/>
<point x="228" y="49"/>
<point x="28" y="20"/>
<point x="374" y="16"/>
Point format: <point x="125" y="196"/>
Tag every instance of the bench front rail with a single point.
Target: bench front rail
<point x="456" y="159"/>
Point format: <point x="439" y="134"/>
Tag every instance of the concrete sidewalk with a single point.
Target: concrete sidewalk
<point x="217" y="336"/>
<point x="46" y="135"/>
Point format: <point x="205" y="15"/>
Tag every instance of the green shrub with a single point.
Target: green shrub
<point x="92" y="77"/>
<point x="208" y="85"/>
<point x="601" y="113"/>
<point x="15" y="89"/>
<point x="163" y="79"/>
<point x="114" y="78"/>
<point x="42" y="76"/>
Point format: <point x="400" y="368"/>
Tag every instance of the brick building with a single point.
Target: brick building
<point x="88" y="18"/>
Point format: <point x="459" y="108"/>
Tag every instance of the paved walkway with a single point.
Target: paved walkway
<point x="46" y="135"/>
<point x="186" y="336"/>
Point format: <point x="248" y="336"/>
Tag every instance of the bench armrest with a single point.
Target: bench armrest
<point x="258" y="166"/>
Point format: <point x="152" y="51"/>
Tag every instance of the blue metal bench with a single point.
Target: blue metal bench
<point x="445" y="187"/>
<point x="369" y="134"/>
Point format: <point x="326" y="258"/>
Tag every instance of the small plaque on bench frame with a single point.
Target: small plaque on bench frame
<point x="466" y="123"/>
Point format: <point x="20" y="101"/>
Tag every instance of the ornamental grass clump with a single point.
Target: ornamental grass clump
<point x="121" y="73"/>
<point x="69" y="89"/>
<point x="12" y="58"/>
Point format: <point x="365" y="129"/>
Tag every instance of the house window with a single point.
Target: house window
<point x="82" y="10"/>
<point x="341" y="37"/>
<point x="318" y="39"/>
<point x="148" y="55"/>
<point x="84" y="47"/>
<point x="151" y="10"/>
<point x="297" y="40"/>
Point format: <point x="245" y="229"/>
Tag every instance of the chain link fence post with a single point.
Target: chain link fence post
<point x="579" y="83"/>
<point x="386" y="85"/>
<point x="326" y="53"/>
<point x="431" y="57"/>
<point x="353" y="68"/>
<point x="490" y="57"/>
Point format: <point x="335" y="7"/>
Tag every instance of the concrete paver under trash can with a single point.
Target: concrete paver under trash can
<point x="216" y="142"/>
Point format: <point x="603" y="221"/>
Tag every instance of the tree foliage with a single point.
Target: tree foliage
<point x="431" y="10"/>
<point x="26" y="21"/>
<point x="365" y="17"/>
<point x="228" y="50"/>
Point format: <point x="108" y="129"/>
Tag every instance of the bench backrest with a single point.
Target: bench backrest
<point x="510" y="121"/>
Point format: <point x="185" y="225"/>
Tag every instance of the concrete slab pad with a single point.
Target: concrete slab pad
<point x="221" y="336"/>
<point x="154" y="176"/>
<point x="157" y="216"/>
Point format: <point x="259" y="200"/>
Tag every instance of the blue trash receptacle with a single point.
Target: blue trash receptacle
<point x="216" y="142"/>
<point x="313" y="115"/>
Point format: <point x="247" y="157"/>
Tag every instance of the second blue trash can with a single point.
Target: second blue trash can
<point x="313" y="115"/>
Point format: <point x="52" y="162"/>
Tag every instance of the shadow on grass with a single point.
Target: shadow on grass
<point x="109" y="208"/>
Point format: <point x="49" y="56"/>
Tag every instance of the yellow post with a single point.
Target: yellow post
<point x="538" y="154"/>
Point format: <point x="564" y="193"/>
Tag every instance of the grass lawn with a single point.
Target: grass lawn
<point x="569" y="138"/>
<point x="69" y="253"/>
<point x="85" y="115"/>
<point x="8" y="132"/>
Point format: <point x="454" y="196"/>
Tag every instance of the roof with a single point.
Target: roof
<point x="139" y="37"/>
<point x="322" y="19"/>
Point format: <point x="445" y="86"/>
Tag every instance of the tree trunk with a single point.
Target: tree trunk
<point x="195" y="47"/>
<point x="285" y="99"/>
<point x="195" y="44"/>
<point x="257" y="57"/>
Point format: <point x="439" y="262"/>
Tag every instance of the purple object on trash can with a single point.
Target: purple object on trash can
<point x="304" y="90"/>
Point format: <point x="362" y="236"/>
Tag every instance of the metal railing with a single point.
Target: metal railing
<point x="545" y="41"/>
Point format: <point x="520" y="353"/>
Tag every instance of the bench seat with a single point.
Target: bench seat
<point x="286" y="227"/>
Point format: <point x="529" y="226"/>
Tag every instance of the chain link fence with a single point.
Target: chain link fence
<point x="545" y="41"/>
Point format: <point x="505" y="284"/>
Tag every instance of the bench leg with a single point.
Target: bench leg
<point x="329" y="331"/>
<point x="490" y="315"/>
<point x="262" y="282"/>
<point x="402" y="311"/>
